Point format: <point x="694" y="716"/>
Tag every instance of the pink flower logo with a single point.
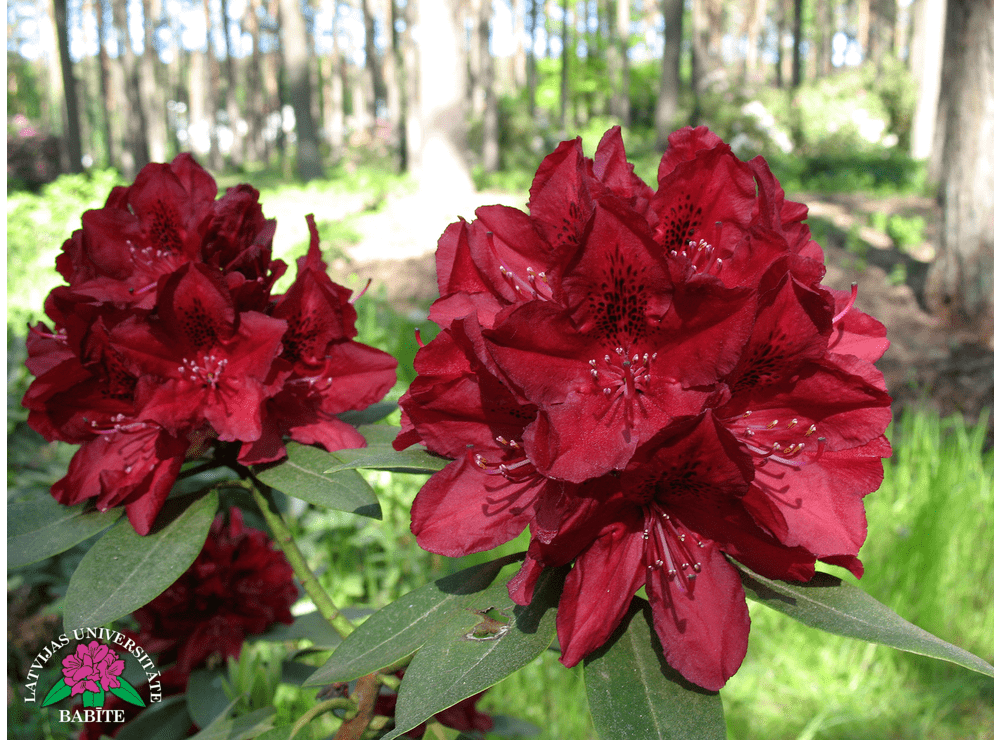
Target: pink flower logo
<point x="92" y="670"/>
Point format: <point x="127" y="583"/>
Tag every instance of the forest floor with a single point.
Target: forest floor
<point x="930" y="362"/>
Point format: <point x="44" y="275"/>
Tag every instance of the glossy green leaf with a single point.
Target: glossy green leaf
<point x="381" y="455"/>
<point x="303" y="475"/>
<point x="477" y="644"/>
<point x="124" y="570"/>
<point x="127" y="692"/>
<point x="39" y="527"/>
<point x="830" y="604"/>
<point x="57" y="693"/>
<point x="166" y="720"/>
<point x="633" y="693"/>
<point x="398" y="629"/>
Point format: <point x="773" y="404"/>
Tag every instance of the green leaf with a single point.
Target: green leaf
<point x="513" y="727"/>
<point x="57" y="693"/>
<point x="165" y="720"/>
<point x="128" y="693"/>
<point x="303" y="475"/>
<point x="124" y="570"/>
<point x="248" y="726"/>
<point x="634" y="693"/>
<point x="398" y="629"/>
<point x="311" y="626"/>
<point x="206" y="699"/>
<point x="830" y="604"/>
<point x="39" y="527"/>
<point x="376" y="412"/>
<point x="295" y="673"/>
<point x="89" y="698"/>
<point x="477" y="644"/>
<point x="381" y="455"/>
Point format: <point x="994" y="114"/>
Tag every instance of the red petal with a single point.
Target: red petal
<point x="599" y="589"/>
<point x="461" y="509"/>
<point x="703" y="631"/>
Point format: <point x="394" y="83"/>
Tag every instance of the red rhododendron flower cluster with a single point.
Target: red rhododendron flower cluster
<point x="167" y="339"/>
<point x="238" y="586"/>
<point x="655" y="383"/>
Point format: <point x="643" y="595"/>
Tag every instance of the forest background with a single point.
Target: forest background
<point x="385" y="117"/>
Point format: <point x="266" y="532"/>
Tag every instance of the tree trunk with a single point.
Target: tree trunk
<point x="296" y="57"/>
<point x="443" y="166"/>
<point x="796" y="44"/>
<point x="532" y="69"/>
<point x="864" y="26"/>
<point x="256" y="148"/>
<point x="670" y="70"/>
<point x="237" y="153"/>
<point x="961" y="279"/>
<point x="212" y="92"/>
<point x="393" y="76"/>
<point x="823" y="38"/>
<point x="757" y="15"/>
<point x="520" y="56"/>
<point x="621" y="105"/>
<point x="135" y="153"/>
<point x="333" y="88"/>
<point x="374" y="85"/>
<point x="107" y="94"/>
<point x="491" y="114"/>
<point x="410" y="154"/>
<point x="273" y="101"/>
<point x="479" y="51"/>
<point x="564" y="91"/>
<point x="699" y="55"/>
<point x="782" y="24"/>
<point x="153" y="105"/>
<point x="72" y="140"/>
<point x="926" y="54"/>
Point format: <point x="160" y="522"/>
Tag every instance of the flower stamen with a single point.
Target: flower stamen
<point x="670" y="548"/>
<point x="207" y="371"/>
<point x="625" y="380"/>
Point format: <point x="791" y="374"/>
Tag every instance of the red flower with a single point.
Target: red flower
<point x="238" y="586"/>
<point x="329" y="372"/>
<point x="167" y="343"/>
<point x="652" y="382"/>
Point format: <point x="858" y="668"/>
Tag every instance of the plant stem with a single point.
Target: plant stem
<point x="337" y="703"/>
<point x="283" y="536"/>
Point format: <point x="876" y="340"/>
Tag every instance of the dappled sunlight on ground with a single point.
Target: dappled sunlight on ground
<point x="410" y="224"/>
